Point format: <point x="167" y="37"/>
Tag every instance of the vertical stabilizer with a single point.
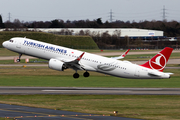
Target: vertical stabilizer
<point x="158" y="62"/>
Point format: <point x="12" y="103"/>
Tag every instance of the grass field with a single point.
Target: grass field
<point x="6" y="52"/>
<point x="151" y="107"/>
<point x="43" y="76"/>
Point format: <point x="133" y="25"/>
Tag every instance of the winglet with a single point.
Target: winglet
<point x="125" y="53"/>
<point x="158" y="62"/>
<point x="79" y="58"/>
<point x="122" y="56"/>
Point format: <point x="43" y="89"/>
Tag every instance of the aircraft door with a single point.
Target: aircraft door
<point x="18" y="44"/>
<point x="137" y="72"/>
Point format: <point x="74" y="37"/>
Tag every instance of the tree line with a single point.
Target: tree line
<point x="170" y="28"/>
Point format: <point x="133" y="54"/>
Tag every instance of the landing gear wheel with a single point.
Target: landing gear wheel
<point x="76" y="75"/>
<point x="86" y="74"/>
<point x="18" y="60"/>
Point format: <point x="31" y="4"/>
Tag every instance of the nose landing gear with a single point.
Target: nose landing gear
<point x="76" y="75"/>
<point x="18" y="60"/>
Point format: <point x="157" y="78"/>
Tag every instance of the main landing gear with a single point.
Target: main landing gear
<point x="76" y="75"/>
<point x="18" y="60"/>
<point x="86" y="74"/>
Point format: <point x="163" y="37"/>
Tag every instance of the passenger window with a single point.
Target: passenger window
<point x="11" y="41"/>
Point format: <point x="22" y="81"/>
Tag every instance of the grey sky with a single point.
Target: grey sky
<point x="47" y="10"/>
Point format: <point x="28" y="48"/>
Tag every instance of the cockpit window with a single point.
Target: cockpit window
<point x="11" y="41"/>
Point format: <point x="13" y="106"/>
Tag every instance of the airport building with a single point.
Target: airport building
<point x="132" y="33"/>
<point x="149" y="38"/>
<point x="124" y="32"/>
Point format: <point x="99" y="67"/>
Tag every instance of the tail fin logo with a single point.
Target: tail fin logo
<point x="158" y="62"/>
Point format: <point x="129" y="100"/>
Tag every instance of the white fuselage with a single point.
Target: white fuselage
<point x="89" y="62"/>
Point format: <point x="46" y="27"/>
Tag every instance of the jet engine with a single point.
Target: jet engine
<point x="56" y="65"/>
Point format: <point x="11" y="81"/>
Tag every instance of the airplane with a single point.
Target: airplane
<point x="61" y="58"/>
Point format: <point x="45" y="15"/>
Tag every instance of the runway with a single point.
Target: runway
<point x="88" y="91"/>
<point x="29" y="113"/>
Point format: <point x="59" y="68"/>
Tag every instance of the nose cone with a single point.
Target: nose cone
<point x="5" y="44"/>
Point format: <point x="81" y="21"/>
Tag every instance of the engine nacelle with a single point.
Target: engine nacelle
<point x="56" y="65"/>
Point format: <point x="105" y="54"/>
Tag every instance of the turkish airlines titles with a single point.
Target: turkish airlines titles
<point x="44" y="46"/>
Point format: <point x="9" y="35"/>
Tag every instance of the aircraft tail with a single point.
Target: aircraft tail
<point x="158" y="62"/>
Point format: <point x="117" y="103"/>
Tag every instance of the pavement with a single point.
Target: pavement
<point x="88" y="91"/>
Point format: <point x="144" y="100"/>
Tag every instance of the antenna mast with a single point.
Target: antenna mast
<point x="9" y="17"/>
<point x="111" y="16"/>
<point x="164" y="13"/>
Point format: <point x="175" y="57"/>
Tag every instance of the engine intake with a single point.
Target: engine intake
<point x="56" y="65"/>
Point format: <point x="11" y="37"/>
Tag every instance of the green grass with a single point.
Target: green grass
<point x="93" y="81"/>
<point x="43" y="76"/>
<point x="6" y="118"/>
<point x="151" y="107"/>
<point x="6" y="52"/>
<point x="173" y="65"/>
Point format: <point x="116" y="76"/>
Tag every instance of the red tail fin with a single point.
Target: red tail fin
<point x="158" y="62"/>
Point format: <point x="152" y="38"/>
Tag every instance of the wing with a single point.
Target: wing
<point x="122" y="56"/>
<point x="74" y="64"/>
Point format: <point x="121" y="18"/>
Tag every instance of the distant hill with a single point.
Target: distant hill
<point x="76" y="42"/>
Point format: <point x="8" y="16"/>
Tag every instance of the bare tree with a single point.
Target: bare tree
<point x="81" y="32"/>
<point x="17" y="24"/>
<point x="87" y="32"/>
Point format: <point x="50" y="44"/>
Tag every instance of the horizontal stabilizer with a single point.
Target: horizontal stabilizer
<point x="154" y="74"/>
